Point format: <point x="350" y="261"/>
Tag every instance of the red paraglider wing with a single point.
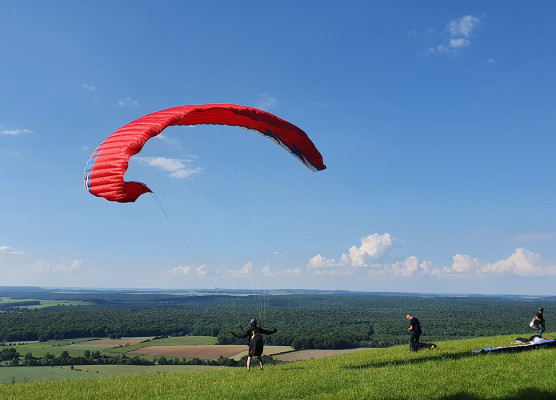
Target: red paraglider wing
<point x="104" y="175"/>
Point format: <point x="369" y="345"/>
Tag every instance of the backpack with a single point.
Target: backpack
<point x="256" y="335"/>
<point x="533" y="324"/>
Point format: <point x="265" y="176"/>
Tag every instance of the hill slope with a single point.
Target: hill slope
<point x="449" y="372"/>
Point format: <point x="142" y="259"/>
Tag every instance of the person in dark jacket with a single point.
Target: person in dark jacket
<point x="415" y="329"/>
<point x="256" y="343"/>
<point x="539" y="321"/>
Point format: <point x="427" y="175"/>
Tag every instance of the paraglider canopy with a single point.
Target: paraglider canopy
<point x="104" y="174"/>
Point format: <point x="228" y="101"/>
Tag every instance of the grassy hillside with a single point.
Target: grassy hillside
<point x="449" y="372"/>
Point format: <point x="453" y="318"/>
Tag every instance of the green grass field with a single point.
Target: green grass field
<point x="6" y="301"/>
<point x="31" y="374"/>
<point x="56" y="347"/>
<point x="448" y="372"/>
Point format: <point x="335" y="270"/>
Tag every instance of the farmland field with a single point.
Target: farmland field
<point x="204" y="352"/>
<point x="56" y="347"/>
<point x="6" y="301"/>
<point x="114" y="342"/>
<point x="76" y="347"/>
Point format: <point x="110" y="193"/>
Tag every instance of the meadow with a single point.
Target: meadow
<point x="450" y="371"/>
<point x="36" y="304"/>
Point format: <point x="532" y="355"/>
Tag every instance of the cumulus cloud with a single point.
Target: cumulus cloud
<point x="9" y="250"/>
<point x="15" y="132"/>
<point x="180" y="270"/>
<point x="203" y="270"/>
<point x="462" y="265"/>
<point x="186" y="270"/>
<point x="522" y="262"/>
<point x="244" y="271"/>
<point x="373" y="257"/>
<point x="459" y="32"/>
<point x="407" y="268"/>
<point x="372" y="246"/>
<point x="319" y="262"/>
<point x="177" y="168"/>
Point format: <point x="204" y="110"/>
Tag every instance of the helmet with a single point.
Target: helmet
<point x="541" y="309"/>
<point x="253" y="321"/>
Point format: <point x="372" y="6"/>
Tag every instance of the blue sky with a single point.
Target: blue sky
<point x="436" y="121"/>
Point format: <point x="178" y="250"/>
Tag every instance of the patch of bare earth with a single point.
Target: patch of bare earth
<point x="209" y="352"/>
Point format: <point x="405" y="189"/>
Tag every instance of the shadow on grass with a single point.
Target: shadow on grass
<point x="522" y="394"/>
<point x="411" y="360"/>
<point x="417" y="359"/>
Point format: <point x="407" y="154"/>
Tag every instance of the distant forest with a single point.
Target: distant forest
<point x="305" y="319"/>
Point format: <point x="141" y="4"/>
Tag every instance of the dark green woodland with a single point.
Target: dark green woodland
<point x="305" y="319"/>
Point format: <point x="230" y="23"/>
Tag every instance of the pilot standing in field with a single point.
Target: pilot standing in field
<point x="415" y="329"/>
<point x="538" y="322"/>
<point x="256" y="343"/>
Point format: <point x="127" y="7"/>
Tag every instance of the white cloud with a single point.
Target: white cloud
<point x="407" y="268"/>
<point x="459" y="31"/>
<point x="127" y="102"/>
<point x="465" y="264"/>
<point x="87" y="86"/>
<point x="177" y="168"/>
<point x="166" y="139"/>
<point x="458" y="43"/>
<point x="371" y="257"/>
<point x="244" y="271"/>
<point x="372" y="246"/>
<point x="180" y="270"/>
<point x="203" y="270"/>
<point x="463" y="26"/>
<point x="266" y="102"/>
<point x="522" y="263"/>
<point x="15" y="132"/>
<point x="462" y="265"/>
<point x="9" y="250"/>
<point x="318" y="262"/>
<point x="44" y="267"/>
